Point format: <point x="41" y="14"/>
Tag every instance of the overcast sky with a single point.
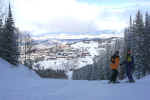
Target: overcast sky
<point x="46" y="16"/>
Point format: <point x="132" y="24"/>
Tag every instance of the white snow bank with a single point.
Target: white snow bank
<point x="10" y="72"/>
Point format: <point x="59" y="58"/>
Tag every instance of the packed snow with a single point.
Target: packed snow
<point x="20" y="83"/>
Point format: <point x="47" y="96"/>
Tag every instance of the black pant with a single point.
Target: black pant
<point x="114" y="75"/>
<point x="129" y="72"/>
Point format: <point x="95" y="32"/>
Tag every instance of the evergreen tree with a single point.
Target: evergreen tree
<point x="1" y="23"/>
<point x="147" y="21"/>
<point x="1" y="31"/>
<point x="139" y="22"/>
<point x="9" y="42"/>
<point x="131" y="22"/>
<point x="147" y="42"/>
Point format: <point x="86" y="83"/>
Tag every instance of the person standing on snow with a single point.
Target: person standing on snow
<point x="115" y="59"/>
<point x="129" y="63"/>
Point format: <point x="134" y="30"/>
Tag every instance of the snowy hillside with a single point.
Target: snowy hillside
<point x="22" y="84"/>
<point x="10" y="73"/>
<point x="90" y="49"/>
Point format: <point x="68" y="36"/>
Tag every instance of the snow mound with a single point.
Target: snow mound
<point x="8" y="71"/>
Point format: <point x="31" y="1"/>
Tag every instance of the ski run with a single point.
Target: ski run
<point x="20" y="83"/>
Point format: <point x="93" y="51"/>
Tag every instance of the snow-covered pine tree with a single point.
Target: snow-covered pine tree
<point x="1" y="33"/>
<point x="9" y="42"/>
<point x="1" y="25"/>
<point x="138" y="48"/>
<point x="147" y="42"/>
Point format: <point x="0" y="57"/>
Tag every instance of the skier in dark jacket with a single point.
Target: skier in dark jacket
<point x="115" y="59"/>
<point x="129" y="63"/>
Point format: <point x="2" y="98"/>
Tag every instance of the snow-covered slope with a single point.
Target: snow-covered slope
<point x="91" y="48"/>
<point x="23" y="84"/>
<point x="11" y="73"/>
